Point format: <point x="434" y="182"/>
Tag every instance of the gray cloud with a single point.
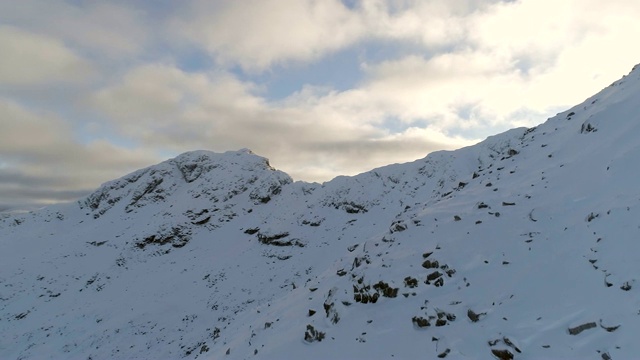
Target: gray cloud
<point x="42" y="162"/>
<point x="92" y="90"/>
<point x="32" y="59"/>
<point x="112" y="29"/>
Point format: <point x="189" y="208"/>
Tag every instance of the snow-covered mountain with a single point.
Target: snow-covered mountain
<point x="524" y="246"/>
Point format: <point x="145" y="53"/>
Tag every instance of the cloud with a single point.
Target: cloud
<point x="564" y="51"/>
<point x="435" y="23"/>
<point x="313" y="134"/>
<point x="107" y="29"/>
<point x="43" y="163"/>
<point x="198" y="74"/>
<point x="259" y="33"/>
<point x="33" y="59"/>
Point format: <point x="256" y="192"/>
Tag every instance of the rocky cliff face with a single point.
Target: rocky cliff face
<point x="522" y="246"/>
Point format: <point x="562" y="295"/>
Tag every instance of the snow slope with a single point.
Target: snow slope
<point x="523" y="246"/>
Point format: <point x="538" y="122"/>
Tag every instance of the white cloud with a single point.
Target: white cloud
<point x="259" y="33"/>
<point x="466" y="69"/>
<point x="33" y="59"/>
<point x="564" y="50"/>
<point x="312" y="135"/>
<point x="433" y="23"/>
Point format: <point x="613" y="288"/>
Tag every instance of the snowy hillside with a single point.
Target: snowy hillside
<point x="521" y="247"/>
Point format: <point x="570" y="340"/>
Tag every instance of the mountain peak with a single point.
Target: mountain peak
<point x="197" y="174"/>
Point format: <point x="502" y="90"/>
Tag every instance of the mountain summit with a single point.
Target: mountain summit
<point x="523" y="246"/>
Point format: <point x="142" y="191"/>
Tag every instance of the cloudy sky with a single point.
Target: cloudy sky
<point x="91" y="90"/>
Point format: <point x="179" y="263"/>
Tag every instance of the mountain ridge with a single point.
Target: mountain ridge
<point x="518" y="247"/>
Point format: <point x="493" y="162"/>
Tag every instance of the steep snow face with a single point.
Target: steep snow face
<point x="520" y="247"/>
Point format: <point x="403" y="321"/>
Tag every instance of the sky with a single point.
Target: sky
<point x="92" y="90"/>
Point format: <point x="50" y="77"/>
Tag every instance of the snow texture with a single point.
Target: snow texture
<point x="524" y="246"/>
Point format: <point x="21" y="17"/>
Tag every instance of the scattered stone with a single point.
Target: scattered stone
<point x="510" y="344"/>
<point x="420" y="321"/>
<point x="22" y="315"/>
<point x="502" y="354"/>
<point x="609" y="328"/>
<point x="276" y="240"/>
<point x="451" y="272"/>
<point x="457" y="218"/>
<point x="473" y="316"/>
<point x="606" y="283"/>
<point x="434" y="275"/>
<point x="626" y="286"/>
<point x="97" y="243"/>
<point x="410" y="282"/>
<point x="578" y="329"/>
<point x="398" y="226"/>
<point x="428" y="264"/>
<point x="444" y="354"/>
<point x="312" y="334"/>
<point x="311" y="312"/>
<point x="202" y="221"/>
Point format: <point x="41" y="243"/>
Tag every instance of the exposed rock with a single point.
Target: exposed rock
<point x="398" y="226"/>
<point x="473" y="316"/>
<point x="502" y="354"/>
<point x="276" y="240"/>
<point x="312" y="335"/>
<point x="578" y="329"/>
<point x="444" y="354"/>
<point x="177" y="236"/>
<point x="420" y="322"/>
<point x="434" y="275"/>
<point x="410" y="282"/>
<point x="609" y="328"/>
<point x="428" y="264"/>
